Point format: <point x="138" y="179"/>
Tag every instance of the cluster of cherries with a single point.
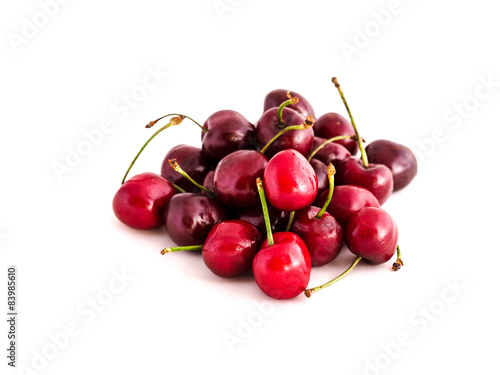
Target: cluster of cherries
<point x="277" y="198"/>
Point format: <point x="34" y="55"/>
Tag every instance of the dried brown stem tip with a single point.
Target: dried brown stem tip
<point x="397" y="264"/>
<point x="335" y="82"/>
<point x="308" y="293"/>
<point x="173" y="163"/>
<point x="151" y="124"/>
<point x="310" y="121"/>
<point x="330" y="169"/>
<point x="165" y="251"/>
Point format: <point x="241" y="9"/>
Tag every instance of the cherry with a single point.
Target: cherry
<point x="398" y="158"/>
<point x="346" y="201"/>
<point x="319" y="230"/>
<point x="330" y="153"/>
<point x="352" y="171"/>
<point x="278" y="96"/>
<point x="224" y="132"/>
<point x="332" y="125"/>
<point x="140" y="201"/>
<point x="254" y="216"/>
<point x="282" y="267"/>
<point x="192" y="161"/>
<point x="208" y="181"/>
<point x="269" y="125"/>
<point x="290" y="181"/>
<point x="234" y="178"/>
<point x="190" y="217"/>
<point x="321" y="173"/>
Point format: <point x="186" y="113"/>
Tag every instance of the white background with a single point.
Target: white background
<point x="406" y="82"/>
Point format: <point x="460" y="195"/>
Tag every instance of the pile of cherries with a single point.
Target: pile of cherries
<point x="277" y="197"/>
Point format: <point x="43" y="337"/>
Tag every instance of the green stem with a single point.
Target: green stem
<point x="152" y="123"/>
<point x="181" y="248"/>
<point x="309" y="292"/>
<point x="262" y="196"/>
<point x="176" y="167"/>
<point x="179" y="189"/>
<point x="306" y="125"/>
<point x="331" y="180"/>
<point x="364" y="157"/>
<point x="399" y="262"/>
<point x="290" y="101"/>
<point x="290" y="221"/>
<point x="337" y="138"/>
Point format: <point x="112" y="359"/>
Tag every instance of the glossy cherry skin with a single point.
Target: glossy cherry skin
<point x="208" y="182"/>
<point x="377" y="177"/>
<point x="235" y="175"/>
<point x="331" y="153"/>
<point x="346" y="201"/>
<point x="332" y="125"/>
<point x="290" y="182"/>
<point x="321" y="173"/>
<point x="397" y="157"/>
<point x="323" y="237"/>
<point x="282" y="270"/>
<point x="139" y="202"/>
<point x="228" y="131"/>
<point x="372" y="234"/>
<point x="189" y="218"/>
<point x="278" y="96"/>
<point x="230" y="248"/>
<point x="254" y="216"/>
<point x="191" y="160"/>
<point x="267" y="127"/>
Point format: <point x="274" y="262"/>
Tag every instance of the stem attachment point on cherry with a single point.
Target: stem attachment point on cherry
<point x="330" y="171"/>
<point x="291" y="100"/>
<point x="309" y="122"/>
<point x="265" y="211"/>
<point x="176" y="167"/>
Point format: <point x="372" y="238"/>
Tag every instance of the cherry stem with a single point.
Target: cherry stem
<point x="173" y="121"/>
<point x="290" y="221"/>
<point x="262" y="196"/>
<point x="309" y="122"/>
<point x="309" y="292"/>
<point x="153" y="123"/>
<point x="179" y="189"/>
<point x="364" y="157"/>
<point x="337" y="138"/>
<point x="290" y="101"/>
<point x="330" y="170"/>
<point x="176" y="167"/>
<point x="399" y="262"/>
<point x="181" y="248"/>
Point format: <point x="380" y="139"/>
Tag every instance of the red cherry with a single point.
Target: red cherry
<point x="140" y="201"/>
<point x="276" y="97"/>
<point x="332" y="125"/>
<point x="321" y="173"/>
<point x="372" y="235"/>
<point x="230" y="248"/>
<point x="282" y="270"/>
<point x="290" y="181"/>
<point x="330" y="153"/>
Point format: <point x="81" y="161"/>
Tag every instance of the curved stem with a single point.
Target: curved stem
<point x="330" y="170"/>
<point x="262" y="196"/>
<point x="364" y="157"/>
<point x="181" y="248"/>
<point x="306" y="125"/>
<point x="337" y="138"/>
<point x="179" y="189"/>
<point x="173" y="121"/>
<point x="153" y="123"/>
<point x="309" y="292"/>
<point x="399" y="262"/>
<point x="290" y="221"/>
<point x="176" y="167"/>
<point x="290" y="101"/>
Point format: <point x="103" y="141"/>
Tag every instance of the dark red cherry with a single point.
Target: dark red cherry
<point x="320" y="170"/>
<point x="191" y="160"/>
<point x="376" y="178"/>
<point x="189" y="218"/>
<point x="234" y="178"/>
<point x="330" y="153"/>
<point x="346" y="201"/>
<point x="268" y="126"/>
<point x="372" y="235"/>
<point x="227" y="131"/>
<point x="140" y="201"/>
<point x="290" y="182"/>
<point x="278" y="96"/>
<point x="255" y="217"/>
<point x="323" y="236"/>
<point x="208" y="182"/>
<point x="282" y="270"/>
<point x="332" y="125"/>
<point x="398" y="158"/>
<point x="230" y="248"/>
